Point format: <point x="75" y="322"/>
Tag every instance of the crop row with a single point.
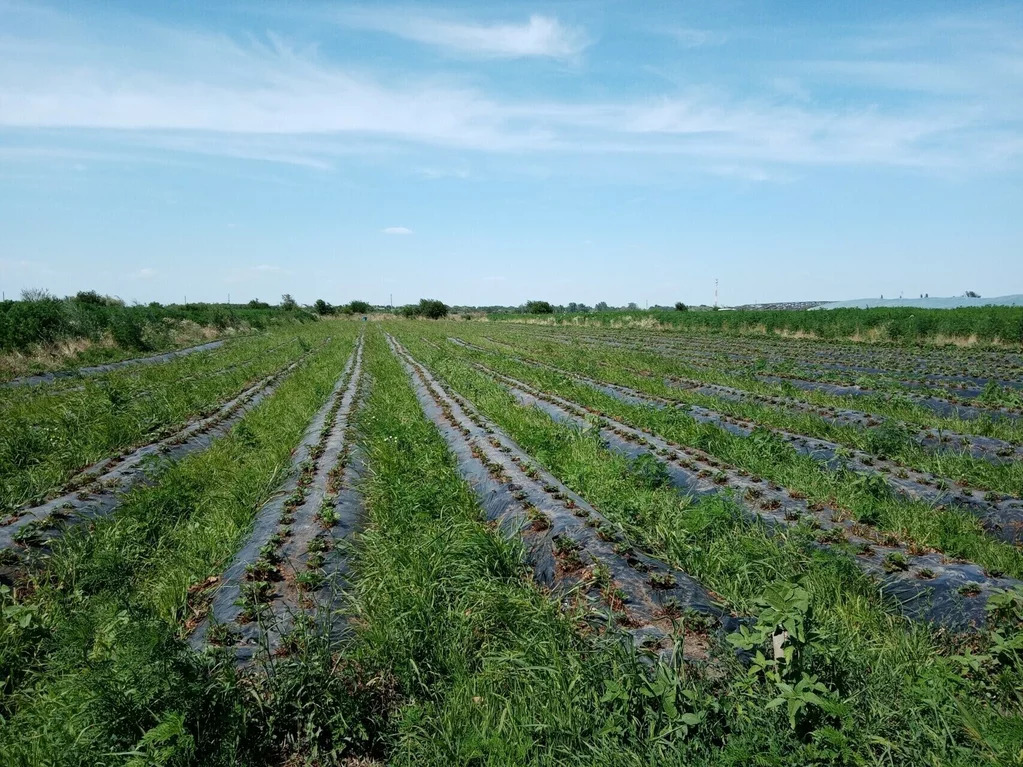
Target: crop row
<point x="46" y="440"/>
<point x="729" y="547"/>
<point x="937" y="449"/>
<point x="996" y="399"/>
<point x="910" y="362"/>
<point x="930" y="585"/>
<point x="289" y="564"/>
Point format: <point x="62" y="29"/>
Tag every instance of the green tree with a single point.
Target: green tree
<point x="432" y="308"/>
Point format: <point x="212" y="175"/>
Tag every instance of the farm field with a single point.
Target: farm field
<point x="422" y="542"/>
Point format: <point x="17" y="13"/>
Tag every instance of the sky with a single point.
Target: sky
<point x="490" y="153"/>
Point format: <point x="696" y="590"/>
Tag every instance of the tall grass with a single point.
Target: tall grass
<point x="898" y="693"/>
<point x="989" y="324"/>
<point x="93" y="666"/>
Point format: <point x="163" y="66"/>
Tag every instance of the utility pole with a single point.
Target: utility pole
<point x="715" y="291"/>
<point x="390" y="300"/>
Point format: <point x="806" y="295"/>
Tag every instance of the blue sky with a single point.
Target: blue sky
<point x="493" y="152"/>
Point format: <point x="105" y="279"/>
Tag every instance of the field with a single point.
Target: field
<point x="982" y="326"/>
<point x="422" y="542"/>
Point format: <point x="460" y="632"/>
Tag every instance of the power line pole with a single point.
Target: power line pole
<point x="715" y="291"/>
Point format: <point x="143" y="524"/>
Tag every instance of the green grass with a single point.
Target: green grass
<point x="953" y="531"/>
<point x="902" y="692"/>
<point x="456" y="656"/>
<point x="991" y="325"/>
<point x="99" y="663"/>
<point x="618" y="366"/>
<point x="46" y="438"/>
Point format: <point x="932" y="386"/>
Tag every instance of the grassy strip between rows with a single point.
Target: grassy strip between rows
<point x="45" y="440"/>
<point x="953" y="531"/>
<point x="994" y="326"/>
<point x="457" y="657"/>
<point x="91" y="662"/>
<point x="947" y="360"/>
<point x="890" y="692"/>
<point x="886" y="405"/>
<point x="889" y="440"/>
<point x="888" y="376"/>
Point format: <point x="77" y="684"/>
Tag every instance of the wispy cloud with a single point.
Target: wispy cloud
<point x="272" y="100"/>
<point x="146" y="273"/>
<point x="401" y="230"/>
<point x="540" y="36"/>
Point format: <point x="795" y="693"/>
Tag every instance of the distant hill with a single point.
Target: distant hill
<point x="924" y="303"/>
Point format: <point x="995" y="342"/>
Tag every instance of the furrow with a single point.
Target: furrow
<point x="572" y="548"/>
<point x="928" y="586"/>
<point x="43" y="378"/>
<point x="290" y="569"/>
<point x="98" y="491"/>
<point x="934" y="440"/>
<point x="1000" y="515"/>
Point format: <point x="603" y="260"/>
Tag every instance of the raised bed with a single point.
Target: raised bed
<point x="96" y="492"/>
<point x="289" y="573"/>
<point x="573" y="549"/>
<point x="928" y="587"/>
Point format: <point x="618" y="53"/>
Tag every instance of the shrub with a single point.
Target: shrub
<point x="359" y="307"/>
<point x="128" y="331"/>
<point x="539" y="307"/>
<point x="432" y="309"/>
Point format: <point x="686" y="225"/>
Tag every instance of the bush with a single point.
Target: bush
<point x="681" y="307"/>
<point x="46" y="320"/>
<point x="322" y="307"/>
<point x="409" y="312"/>
<point x="128" y="331"/>
<point x="432" y="309"/>
<point x="360" y="307"/>
<point x="539" y="307"/>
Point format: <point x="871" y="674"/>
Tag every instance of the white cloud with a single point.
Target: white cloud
<point x="267" y="268"/>
<point x="267" y="100"/>
<point x="541" y="36"/>
<point x="396" y="230"/>
<point x="146" y="273"/>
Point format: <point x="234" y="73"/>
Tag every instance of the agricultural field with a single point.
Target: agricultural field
<point x="419" y="542"/>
